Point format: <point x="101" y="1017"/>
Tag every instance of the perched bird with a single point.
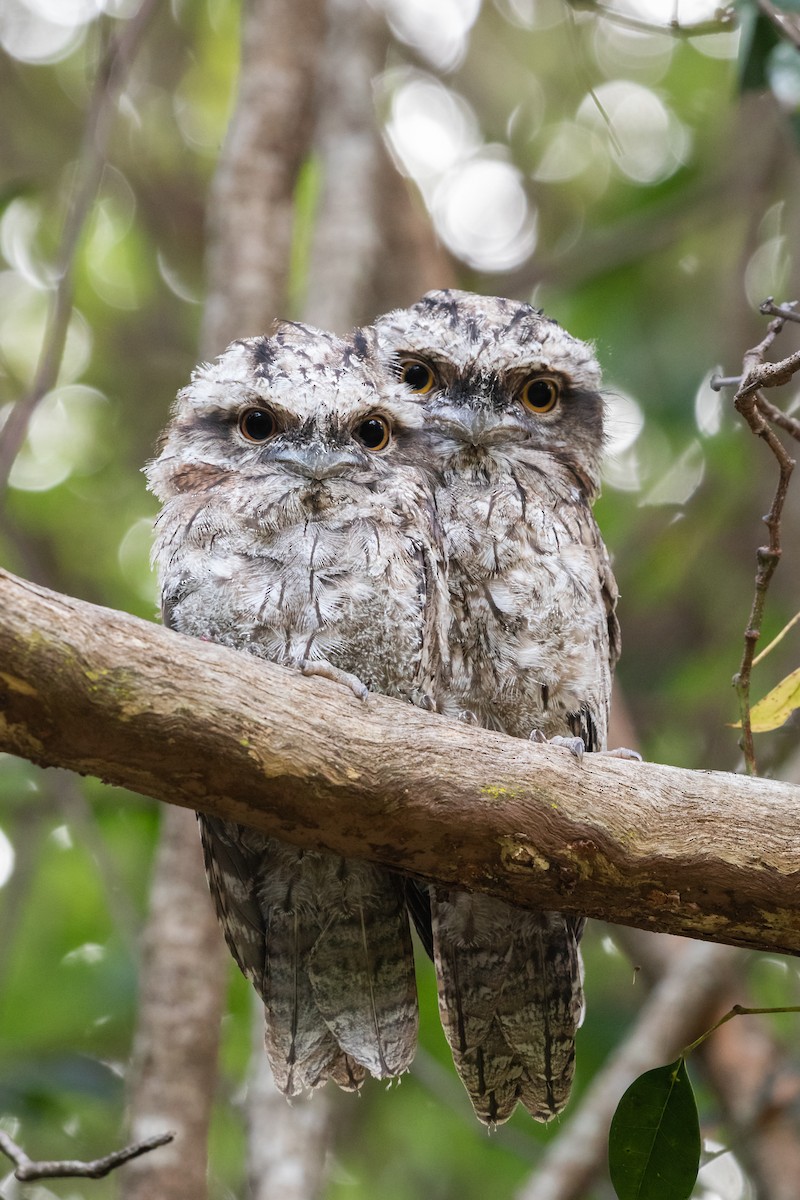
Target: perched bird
<point x="295" y="527"/>
<point x="514" y="425"/>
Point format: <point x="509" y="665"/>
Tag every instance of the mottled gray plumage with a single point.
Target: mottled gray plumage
<point x="514" y="425"/>
<point x="290" y="531"/>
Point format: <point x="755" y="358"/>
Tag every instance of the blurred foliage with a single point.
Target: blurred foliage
<point x="634" y="181"/>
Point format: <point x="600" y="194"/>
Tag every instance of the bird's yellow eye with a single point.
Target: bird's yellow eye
<point x="416" y="375"/>
<point x="257" y="424"/>
<point x="374" y="432"/>
<point x="540" y="394"/>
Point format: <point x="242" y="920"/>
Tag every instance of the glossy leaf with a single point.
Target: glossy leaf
<point x="654" y="1143"/>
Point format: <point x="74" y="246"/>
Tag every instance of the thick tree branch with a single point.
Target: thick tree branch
<point x="705" y="854"/>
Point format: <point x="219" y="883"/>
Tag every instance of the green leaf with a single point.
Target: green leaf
<point x="778" y="705"/>
<point x="654" y="1143"/>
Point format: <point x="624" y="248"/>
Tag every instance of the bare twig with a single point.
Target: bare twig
<point x="790" y="425"/>
<point x="27" y="1169"/>
<point x="718" y="382"/>
<point x="110" y="79"/>
<point x="757" y="412"/>
<point x="738" y="1010"/>
<point x="788" y="310"/>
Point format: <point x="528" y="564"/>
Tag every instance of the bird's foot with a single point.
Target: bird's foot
<point x="321" y="666"/>
<point x="622" y="752"/>
<point x="467" y="716"/>
<point x="575" y="745"/>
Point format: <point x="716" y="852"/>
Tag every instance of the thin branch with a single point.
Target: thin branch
<point x="738" y="1010"/>
<point x="751" y="405"/>
<point x="768" y="308"/>
<point x="27" y="1169"/>
<point x="111" y="76"/>
<point x="200" y="725"/>
<point x="771" y="412"/>
<point x="718" y="382"/>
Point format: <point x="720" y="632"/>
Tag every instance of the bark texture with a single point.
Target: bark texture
<point x="704" y="854"/>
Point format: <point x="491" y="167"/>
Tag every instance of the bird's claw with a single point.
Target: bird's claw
<point x="467" y="716"/>
<point x="337" y="675"/>
<point x="622" y="752"/>
<point x="575" y="745"/>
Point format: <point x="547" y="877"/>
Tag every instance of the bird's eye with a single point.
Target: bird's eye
<point x="257" y="424"/>
<point x="374" y="433"/>
<point x="540" y="395"/>
<point x="416" y="375"/>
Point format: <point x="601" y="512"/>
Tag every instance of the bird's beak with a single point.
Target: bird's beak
<point x="471" y="425"/>
<point x="316" y="462"/>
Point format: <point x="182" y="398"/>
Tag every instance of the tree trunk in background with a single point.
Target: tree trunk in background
<point x="174" y="1061"/>
<point x="250" y="213"/>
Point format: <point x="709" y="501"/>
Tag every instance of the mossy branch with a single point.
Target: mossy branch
<point x="704" y="854"/>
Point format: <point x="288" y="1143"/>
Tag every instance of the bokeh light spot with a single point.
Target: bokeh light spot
<point x="709" y="405"/>
<point x="134" y="560"/>
<point x="482" y="214"/>
<point x="62" y="438"/>
<point x="646" y="140"/>
<point x="430" y="128"/>
<point x="681" y="480"/>
<point x="438" y="29"/>
<point x="6" y="859"/>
